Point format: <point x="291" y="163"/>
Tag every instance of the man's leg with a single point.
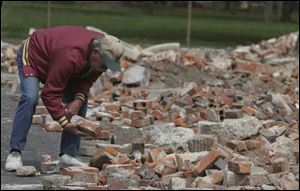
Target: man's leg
<point x="26" y="108"/>
<point x="70" y="142"/>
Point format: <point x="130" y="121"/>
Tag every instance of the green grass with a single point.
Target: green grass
<point x="209" y="29"/>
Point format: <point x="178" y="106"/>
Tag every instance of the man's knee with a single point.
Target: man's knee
<point x="30" y="99"/>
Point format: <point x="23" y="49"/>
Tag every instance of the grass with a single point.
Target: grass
<point x="209" y="29"/>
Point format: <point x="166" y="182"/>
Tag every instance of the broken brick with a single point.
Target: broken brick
<point x="100" y="158"/>
<point x="239" y="167"/>
<point x="157" y="154"/>
<point x="102" y="134"/>
<point x="112" y="107"/>
<point x="137" y="114"/>
<point x="247" y="68"/>
<point x="85" y="125"/>
<point x="249" y="110"/>
<point x="50" y="167"/>
<point x="214" y="178"/>
<point x="180" y="122"/>
<point x="142" y="104"/>
<point x="158" y="114"/>
<point x="82" y="174"/>
<point x="140" y="122"/>
<point x="111" y="150"/>
<point x="238" y="145"/>
<point x="207" y="161"/>
<point x="99" y="187"/>
<point x="145" y="172"/>
<point x="253" y="144"/>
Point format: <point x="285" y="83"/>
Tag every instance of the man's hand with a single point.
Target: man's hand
<point x="73" y="108"/>
<point x="73" y="128"/>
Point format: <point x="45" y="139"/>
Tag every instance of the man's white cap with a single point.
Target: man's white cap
<point x="113" y="50"/>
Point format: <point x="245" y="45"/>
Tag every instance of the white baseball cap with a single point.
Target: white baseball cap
<point x="112" y="50"/>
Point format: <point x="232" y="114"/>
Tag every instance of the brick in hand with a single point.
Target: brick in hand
<point x="85" y="125"/>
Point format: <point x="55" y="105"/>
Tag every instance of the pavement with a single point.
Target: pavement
<point x="39" y="142"/>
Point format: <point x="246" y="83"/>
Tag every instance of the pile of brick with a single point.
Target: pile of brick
<point x="236" y="128"/>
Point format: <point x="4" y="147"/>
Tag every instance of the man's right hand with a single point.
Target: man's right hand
<point x="74" y="128"/>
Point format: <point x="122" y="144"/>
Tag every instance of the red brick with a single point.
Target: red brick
<point x="102" y="134"/>
<point x="207" y="161"/>
<point x="237" y="145"/>
<point x="156" y="154"/>
<point x="253" y="144"/>
<point x="188" y="99"/>
<point x="214" y="178"/>
<point x="112" y="107"/>
<point x="137" y="114"/>
<point x="105" y="187"/>
<point x="125" y="114"/>
<point x="248" y="110"/>
<point x="100" y="158"/>
<point x="158" y="114"/>
<point x="85" y="125"/>
<point x="169" y="168"/>
<point x="121" y="160"/>
<point x="140" y="122"/>
<point x="111" y="150"/>
<point x="265" y="77"/>
<point x="142" y="104"/>
<point x="82" y="174"/>
<point x="239" y="167"/>
<point x="102" y="179"/>
<point x="247" y="68"/>
<point x="117" y="186"/>
<point x="180" y="122"/>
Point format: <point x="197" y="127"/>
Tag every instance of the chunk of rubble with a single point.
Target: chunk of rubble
<point x="136" y="75"/>
<point x="26" y="171"/>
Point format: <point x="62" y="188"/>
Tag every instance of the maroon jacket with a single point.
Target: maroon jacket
<point x="57" y="56"/>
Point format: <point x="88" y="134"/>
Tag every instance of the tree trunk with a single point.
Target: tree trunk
<point x="148" y="7"/>
<point x="188" y="30"/>
<point x="170" y="6"/>
<point x="268" y="11"/>
<point x="287" y="9"/>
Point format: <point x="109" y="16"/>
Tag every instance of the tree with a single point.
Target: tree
<point x="148" y="7"/>
<point x="268" y="12"/>
<point x="287" y="9"/>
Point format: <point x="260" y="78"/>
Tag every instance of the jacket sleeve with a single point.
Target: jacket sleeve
<point x="84" y="85"/>
<point x="63" y="66"/>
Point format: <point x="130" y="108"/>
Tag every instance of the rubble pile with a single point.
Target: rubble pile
<point x="190" y="119"/>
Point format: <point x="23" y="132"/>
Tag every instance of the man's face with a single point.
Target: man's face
<point x="97" y="61"/>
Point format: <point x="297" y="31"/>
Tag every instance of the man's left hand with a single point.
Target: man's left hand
<point x="73" y="108"/>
